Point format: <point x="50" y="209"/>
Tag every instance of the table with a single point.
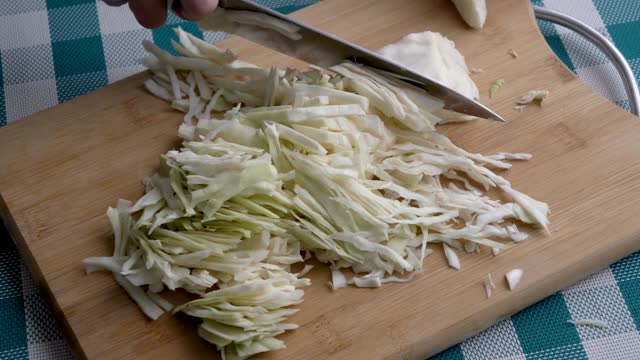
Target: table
<point x="52" y="51"/>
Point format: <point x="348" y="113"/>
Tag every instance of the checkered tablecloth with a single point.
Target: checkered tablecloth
<point x="54" y="50"/>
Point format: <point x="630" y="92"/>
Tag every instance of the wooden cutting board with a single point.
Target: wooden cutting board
<point x="61" y="168"/>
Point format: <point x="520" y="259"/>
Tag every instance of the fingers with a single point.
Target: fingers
<point x="194" y="10"/>
<point x="153" y="13"/>
<point x="149" y="13"/>
<point x="115" y="2"/>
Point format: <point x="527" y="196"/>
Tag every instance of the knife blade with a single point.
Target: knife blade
<point x="304" y="42"/>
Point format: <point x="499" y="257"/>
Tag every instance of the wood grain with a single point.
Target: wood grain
<point x="61" y="168"/>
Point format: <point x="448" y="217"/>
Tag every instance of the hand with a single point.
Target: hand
<point x="153" y="13"/>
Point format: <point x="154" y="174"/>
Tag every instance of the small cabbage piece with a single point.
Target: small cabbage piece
<point x="512" y="156"/>
<point x="489" y="285"/>
<point x="366" y="281"/>
<point x="474" y="12"/>
<point x="196" y="47"/>
<point x="338" y="280"/>
<point x="452" y="257"/>
<point x="532" y="96"/>
<point x="513" y="278"/>
<point x="495" y="87"/>
<point x="590" y="322"/>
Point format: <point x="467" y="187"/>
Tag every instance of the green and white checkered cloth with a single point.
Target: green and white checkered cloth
<point x="54" y="50"/>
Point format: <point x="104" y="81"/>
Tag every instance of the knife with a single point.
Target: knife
<point x="309" y="44"/>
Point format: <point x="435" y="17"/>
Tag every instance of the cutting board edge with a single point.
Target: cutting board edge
<point x="566" y="72"/>
<point x="533" y="294"/>
<point x="43" y="288"/>
<point x="14" y="229"/>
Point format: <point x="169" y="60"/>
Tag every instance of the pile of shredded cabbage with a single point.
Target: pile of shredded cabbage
<point x="348" y="168"/>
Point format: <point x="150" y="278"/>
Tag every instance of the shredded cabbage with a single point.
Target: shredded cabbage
<point x="495" y="87"/>
<point x="338" y="280"/>
<point x="349" y="168"/>
<point x="532" y="96"/>
<point x="513" y="278"/>
<point x="452" y="257"/>
<point x="243" y="319"/>
<point x="489" y="285"/>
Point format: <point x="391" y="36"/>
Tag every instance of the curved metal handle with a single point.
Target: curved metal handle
<point x="606" y="46"/>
